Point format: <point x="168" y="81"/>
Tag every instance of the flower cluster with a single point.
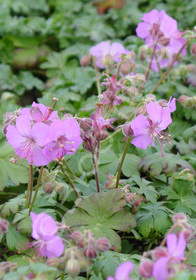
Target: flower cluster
<point x="148" y="128"/>
<point x="160" y="30"/>
<point x="39" y="136"/>
<point x="44" y="230"/>
<point x="106" y="54"/>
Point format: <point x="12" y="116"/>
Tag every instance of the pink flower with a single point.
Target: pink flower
<point x="123" y="271"/>
<point x="28" y="141"/>
<point x="39" y="113"/>
<point x="146" y="129"/>
<point x="107" y="54"/>
<point x="176" y="248"/>
<point x="44" y="230"/>
<point x="63" y="138"/>
<point x="160" y="28"/>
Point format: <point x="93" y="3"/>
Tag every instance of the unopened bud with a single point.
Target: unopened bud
<point x="85" y="60"/>
<point x="154" y="29"/>
<point x="160" y="252"/>
<point x="102" y="244"/>
<point x="53" y="262"/>
<point x="59" y="187"/>
<point x="164" y="41"/>
<point x="146" y="268"/>
<point x="73" y="267"/>
<point x="193" y="49"/>
<point x="183" y="71"/>
<point x="90" y="252"/>
<point x="3" y="226"/>
<point x="127" y="130"/>
<point x="141" y="111"/>
<point x="76" y="236"/>
<point x="85" y="124"/>
<point x="191" y="68"/>
<point x="89" y="143"/>
<point x="100" y="134"/>
<point x="162" y="102"/>
<point x="48" y="187"/>
<point x="179" y="217"/>
<point x="143" y="52"/>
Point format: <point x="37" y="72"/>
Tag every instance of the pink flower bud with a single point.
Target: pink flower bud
<point x="3" y="226"/>
<point x="102" y="244"/>
<point x="90" y="252"/>
<point x="193" y="49"/>
<point x="85" y="123"/>
<point x="85" y="60"/>
<point x="76" y="236"/>
<point x="53" y="262"/>
<point x="127" y="130"/>
<point x="179" y="217"/>
<point x="89" y="143"/>
<point x="160" y="252"/>
<point x="146" y="268"/>
<point x="100" y="134"/>
<point x="164" y="41"/>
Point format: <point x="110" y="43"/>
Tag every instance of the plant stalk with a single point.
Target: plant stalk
<point x="121" y="162"/>
<point x="96" y="172"/>
<point x="30" y="186"/>
<point x="69" y="180"/>
<point x="36" y="188"/>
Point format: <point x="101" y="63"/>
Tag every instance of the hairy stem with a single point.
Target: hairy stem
<point x="30" y="186"/>
<point x="189" y="253"/>
<point x="36" y="188"/>
<point x="170" y="66"/>
<point x="97" y="77"/>
<point x="121" y="162"/>
<point x="69" y="180"/>
<point x="96" y="171"/>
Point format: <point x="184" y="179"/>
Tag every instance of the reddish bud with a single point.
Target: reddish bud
<point x="85" y="60"/>
<point x="193" y="49"/>
<point x="102" y="244"/>
<point x="76" y="236"/>
<point x="141" y="111"/>
<point x="89" y="143"/>
<point x="85" y="124"/>
<point x="90" y="251"/>
<point x="53" y="262"/>
<point x="146" y="268"/>
<point x="164" y="41"/>
<point x="48" y="187"/>
<point x="100" y="134"/>
<point x="143" y="52"/>
<point x="3" y="226"/>
<point x="160" y="252"/>
<point x="127" y="130"/>
<point x="179" y="217"/>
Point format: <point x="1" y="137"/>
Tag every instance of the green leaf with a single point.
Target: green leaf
<point x="14" y="239"/>
<point x="102" y="213"/>
<point x="130" y="165"/>
<point x="9" y="170"/>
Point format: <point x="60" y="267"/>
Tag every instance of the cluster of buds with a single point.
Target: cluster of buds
<point x="180" y="220"/>
<point x="133" y="199"/>
<point x="49" y="183"/>
<point x="82" y="249"/>
<point x="93" y="130"/>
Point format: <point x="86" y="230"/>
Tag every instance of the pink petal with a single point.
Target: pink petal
<point x="142" y="30"/>
<point x="54" y="247"/>
<point x="23" y="126"/>
<point x="155" y="112"/>
<point x="123" y="271"/>
<point x="13" y="137"/>
<point x="140" y="125"/>
<point x="180" y="248"/>
<point x="160" y="271"/>
<point x="142" y="141"/>
<point x="171" y="243"/>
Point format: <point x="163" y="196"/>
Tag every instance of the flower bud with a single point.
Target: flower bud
<point x="179" y="217"/>
<point x="164" y="41"/>
<point x="85" y="124"/>
<point x="73" y="267"/>
<point x="90" y="251"/>
<point x="162" y="102"/>
<point x="48" y="187"/>
<point x="89" y="143"/>
<point x="102" y="244"/>
<point x="85" y="60"/>
<point x="3" y="226"/>
<point x="127" y="67"/>
<point x="53" y="262"/>
<point x="76" y="236"/>
<point x="183" y="71"/>
<point x="191" y="68"/>
<point x="100" y="134"/>
<point x="193" y="49"/>
<point x="127" y="130"/>
<point x="146" y="268"/>
<point x="143" y="52"/>
<point x="141" y="111"/>
<point x="59" y="187"/>
<point x="160" y="252"/>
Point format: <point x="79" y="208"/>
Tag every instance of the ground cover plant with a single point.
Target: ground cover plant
<point x="97" y="147"/>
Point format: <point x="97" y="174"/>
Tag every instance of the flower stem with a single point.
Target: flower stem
<point x="121" y="162"/>
<point x="36" y="188"/>
<point x="69" y="180"/>
<point x="69" y="169"/>
<point x="170" y="66"/>
<point x="97" y="77"/>
<point x="150" y="62"/>
<point x="30" y="186"/>
<point x="96" y="171"/>
<point x="189" y="253"/>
